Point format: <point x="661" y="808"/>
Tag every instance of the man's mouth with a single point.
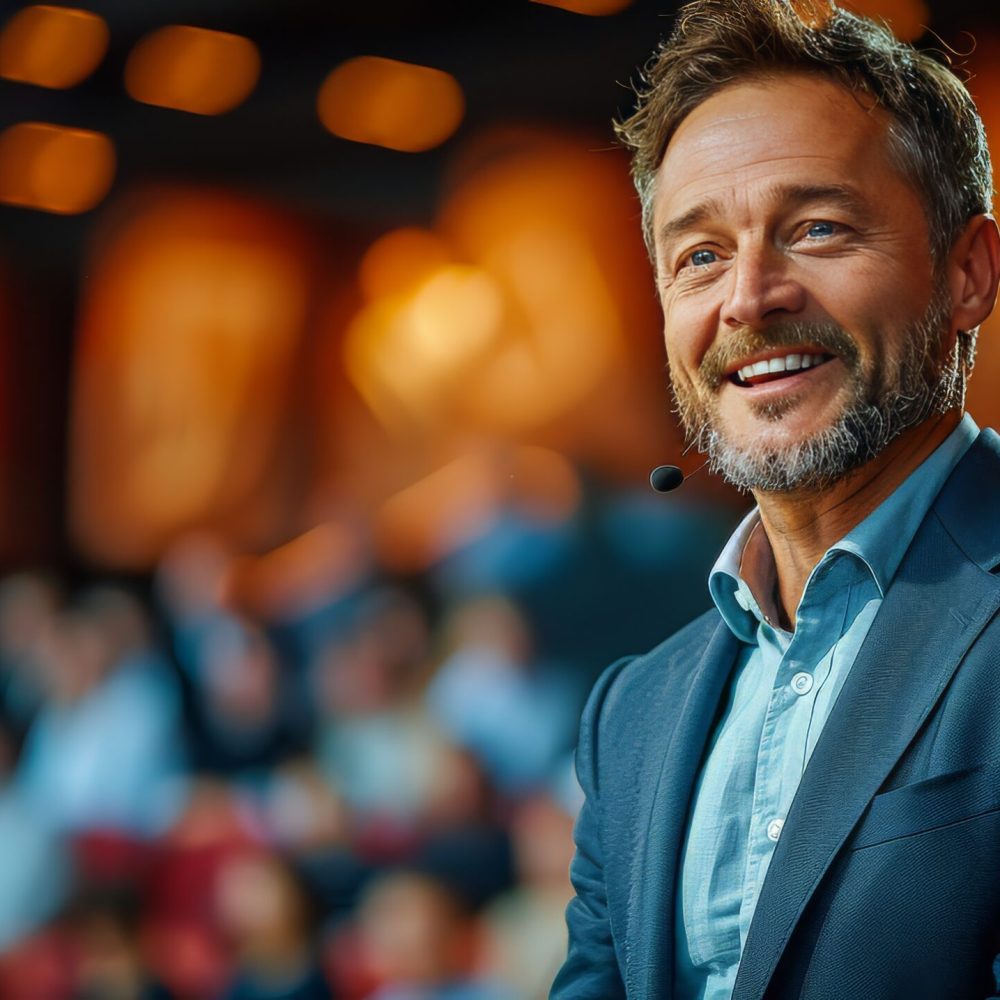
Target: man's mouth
<point x="779" y="367"/>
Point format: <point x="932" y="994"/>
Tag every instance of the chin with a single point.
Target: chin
<point x="785" y="461"/>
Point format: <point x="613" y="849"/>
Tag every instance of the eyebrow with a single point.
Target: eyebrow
<point x="790" y="196"/>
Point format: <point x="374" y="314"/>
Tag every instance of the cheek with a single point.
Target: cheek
<point x="685" y="348"/>
<point x="861" y="295"/>
<point x="683" y="377"/>
<point x="690" y="324"/>
<point x="675" y="363"/>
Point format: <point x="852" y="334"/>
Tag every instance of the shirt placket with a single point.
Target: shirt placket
<point x="763" y="813"/>
<point x="793" y="692"/>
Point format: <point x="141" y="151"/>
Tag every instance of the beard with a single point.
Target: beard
<point x="915" y="385"/>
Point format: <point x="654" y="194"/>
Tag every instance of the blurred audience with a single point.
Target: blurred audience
<point x="108" y="962"/>
<point x="35" y="861"/>
<point x="374" y="802"/>
<point x="263" y="910"/>
<point x="493" y="695"/>
<point x="191" y="583"/>
<point x="525" y="928"/>
<point x="465" y="837"/>
<point x="418" y="942"/>
<point x="374" y="742"/>
<point x="242" y="722"/>
<point x="103" y="752"/>
<point x="28" y="603"/>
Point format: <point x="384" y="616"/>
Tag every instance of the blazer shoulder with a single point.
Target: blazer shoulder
<point x="631" y="676"/>
<point x="633" y="688"/>
<point x="967" y="503"/>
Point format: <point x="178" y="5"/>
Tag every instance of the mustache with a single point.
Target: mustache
<point x="735" y="346"/>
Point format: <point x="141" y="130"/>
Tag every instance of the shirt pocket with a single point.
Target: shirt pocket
<point x="930" y="804"/>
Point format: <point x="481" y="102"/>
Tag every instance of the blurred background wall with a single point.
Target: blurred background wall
<point x="330" y="380"/>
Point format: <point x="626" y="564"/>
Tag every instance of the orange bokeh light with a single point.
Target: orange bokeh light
<point x="388" y="103"/>
<point x="595" y="8"/>
<point x="399" y="261"/>
<point x="537" y="219"/>
<point x="189" y="329"/>
<point x="52" y="46"/>
<point x="506" y="316"/>
<point x="409" y="349"/>
<point x="192" y="69"/>
<point x="55" y="169"/>
<point x="908" y="19"/>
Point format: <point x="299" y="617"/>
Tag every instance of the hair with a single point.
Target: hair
<point x="936" y="136"/>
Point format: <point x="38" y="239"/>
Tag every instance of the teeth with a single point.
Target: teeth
<point x="790" y="362"/>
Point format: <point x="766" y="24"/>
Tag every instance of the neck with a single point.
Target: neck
<point x="802" y="525"/>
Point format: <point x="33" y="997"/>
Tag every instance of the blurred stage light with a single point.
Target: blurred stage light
<point x="55" y="169"/>
<point x="455" y="314"/>
<point x="399" y="261"/>
<point x="536" y="214"/>
<point x="388" y="103"/>
<point x="188" y="335"/>
<point x="908" y="19"/>
<point x="509" y="318"/>
<point x="409" y="350"/>
<point x="192" y="69"/>
<point x="52" y="46"/>
<point x="595" y="8"/>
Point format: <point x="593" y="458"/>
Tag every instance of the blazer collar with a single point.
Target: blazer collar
<point x="973" y="526"/>
<point x="938" y="603"/>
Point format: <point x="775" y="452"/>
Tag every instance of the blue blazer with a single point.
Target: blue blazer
<point x="885" y="884"/>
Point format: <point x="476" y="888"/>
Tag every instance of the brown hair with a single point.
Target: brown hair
<point x="936" y="134"/>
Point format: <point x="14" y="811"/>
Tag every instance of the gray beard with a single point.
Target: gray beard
<point x="918" y="387"/>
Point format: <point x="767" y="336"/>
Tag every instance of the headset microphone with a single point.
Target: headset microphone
<point x="665" y="478"/>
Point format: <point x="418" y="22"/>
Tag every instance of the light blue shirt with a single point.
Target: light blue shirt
<point x="781" y="694"/>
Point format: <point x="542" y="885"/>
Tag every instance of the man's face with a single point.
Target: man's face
<point x="787" y="237"/>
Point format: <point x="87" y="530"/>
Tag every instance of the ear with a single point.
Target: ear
<point x="974" y="272"/>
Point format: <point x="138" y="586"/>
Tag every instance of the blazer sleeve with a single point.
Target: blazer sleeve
<point x="591" y="970"/>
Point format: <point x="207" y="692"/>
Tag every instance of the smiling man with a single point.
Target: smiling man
<point x="798" y="795"/>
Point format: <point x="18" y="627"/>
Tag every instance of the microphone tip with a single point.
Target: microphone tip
<point x="665" y="478"/>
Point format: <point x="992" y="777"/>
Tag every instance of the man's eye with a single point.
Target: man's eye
<point x="702" y="258"/>
<point x="820" y="230"/>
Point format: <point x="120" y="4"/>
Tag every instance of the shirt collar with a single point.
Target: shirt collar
<point x="729" y="590"/>
<point x="879" y="541"/>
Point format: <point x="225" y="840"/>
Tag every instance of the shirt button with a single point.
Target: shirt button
<point x="802" y="683"/>
<point x="774" y="829"/>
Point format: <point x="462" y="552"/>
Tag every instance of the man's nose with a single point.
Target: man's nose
<point x="762" y="287"/>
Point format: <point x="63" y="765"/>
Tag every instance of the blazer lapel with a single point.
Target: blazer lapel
<point x="938" y="603"/>
<point x="661" y="828"/>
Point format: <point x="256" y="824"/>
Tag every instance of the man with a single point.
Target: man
<point x="798" y="795"/>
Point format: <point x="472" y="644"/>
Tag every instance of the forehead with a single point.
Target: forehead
<point x="791" y="129"/>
